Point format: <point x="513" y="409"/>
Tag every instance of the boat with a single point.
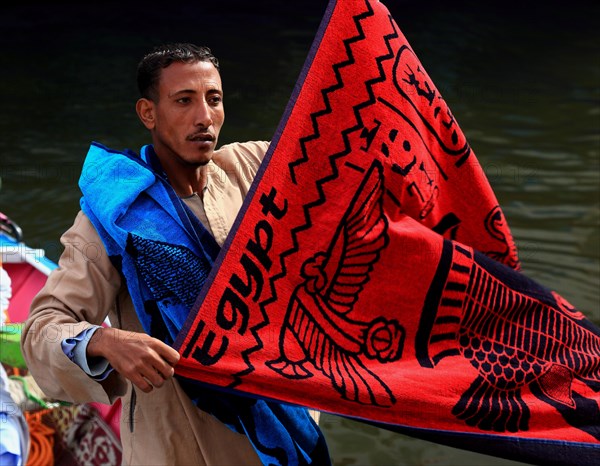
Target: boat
<point x="28" y="269"/>
<point x="86" y="427"/>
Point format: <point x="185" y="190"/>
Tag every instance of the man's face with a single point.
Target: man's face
<point x="188" y="116"/>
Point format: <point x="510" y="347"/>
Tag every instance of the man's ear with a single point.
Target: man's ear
<point x="145" y="110"/>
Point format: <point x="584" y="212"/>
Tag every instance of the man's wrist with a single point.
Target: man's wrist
<point x="76" y="349"/>
<point x="97" y="343"/>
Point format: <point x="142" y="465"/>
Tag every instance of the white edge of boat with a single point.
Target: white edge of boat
<point x="17" y="253"/>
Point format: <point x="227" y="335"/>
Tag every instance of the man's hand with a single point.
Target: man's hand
<point x="144" y="360"/>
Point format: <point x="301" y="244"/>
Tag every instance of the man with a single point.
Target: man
<point x="137" y="235"/>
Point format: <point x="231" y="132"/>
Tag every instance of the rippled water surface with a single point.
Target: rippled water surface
<point x="522" y="80"/>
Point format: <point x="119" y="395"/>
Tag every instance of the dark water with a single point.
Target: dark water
<point x="522" y="80"/>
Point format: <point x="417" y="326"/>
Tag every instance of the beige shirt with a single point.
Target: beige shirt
<point x="163" y="426"/>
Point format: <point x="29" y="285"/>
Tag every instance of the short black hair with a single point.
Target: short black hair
<point x="151" y="65"/>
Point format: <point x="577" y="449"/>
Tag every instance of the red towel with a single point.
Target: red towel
<point x="372" y="273"/>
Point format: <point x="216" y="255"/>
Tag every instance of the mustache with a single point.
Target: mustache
<point x="201" y="135"/>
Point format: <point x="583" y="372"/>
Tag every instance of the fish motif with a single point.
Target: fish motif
<point x="318" y="332"/>
<point x="517" y="335"/>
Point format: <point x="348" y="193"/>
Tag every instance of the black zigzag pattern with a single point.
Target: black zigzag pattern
<point x="329" y="90"/>
<point x="335" y="174"/>
<point x="316" y="134"/>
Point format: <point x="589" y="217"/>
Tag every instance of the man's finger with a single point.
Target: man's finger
<point x="155" y="378"/>
<point x="141" y="383"/>
<point x="167" y="353"/>
<point x="164" y="369"/>
<point x="171" y="356"/>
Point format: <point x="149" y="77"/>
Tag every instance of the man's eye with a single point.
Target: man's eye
<point x="215" y="100"/>
<point x="184" y="100"/>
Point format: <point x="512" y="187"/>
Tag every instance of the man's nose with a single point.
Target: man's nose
<point x="203" y="115"/>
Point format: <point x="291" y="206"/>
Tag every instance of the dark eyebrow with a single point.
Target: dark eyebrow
<point x="192" y="91"/>
<point x="183" y="91"/>
<point x="215" y="91"/>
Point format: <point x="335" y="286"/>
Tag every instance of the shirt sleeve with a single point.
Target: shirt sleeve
<point x="79" y="294"/>
<point x="76" y="350"/>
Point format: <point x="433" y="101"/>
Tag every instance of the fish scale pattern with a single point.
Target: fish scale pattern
<point x="170" y="271"/>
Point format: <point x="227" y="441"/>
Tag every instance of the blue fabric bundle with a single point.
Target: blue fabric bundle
<point x="165" y="255"/>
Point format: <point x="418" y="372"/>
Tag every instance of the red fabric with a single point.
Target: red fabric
<point x="111" y="415"/>
<point x="82" y="437"/>
<point x="26" y="282"/>
<point x="372" y="273"/>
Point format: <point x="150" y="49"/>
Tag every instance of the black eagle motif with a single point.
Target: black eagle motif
<point x="317" y="330"/>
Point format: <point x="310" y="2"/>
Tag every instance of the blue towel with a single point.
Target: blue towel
<point x="165" y="255"/>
